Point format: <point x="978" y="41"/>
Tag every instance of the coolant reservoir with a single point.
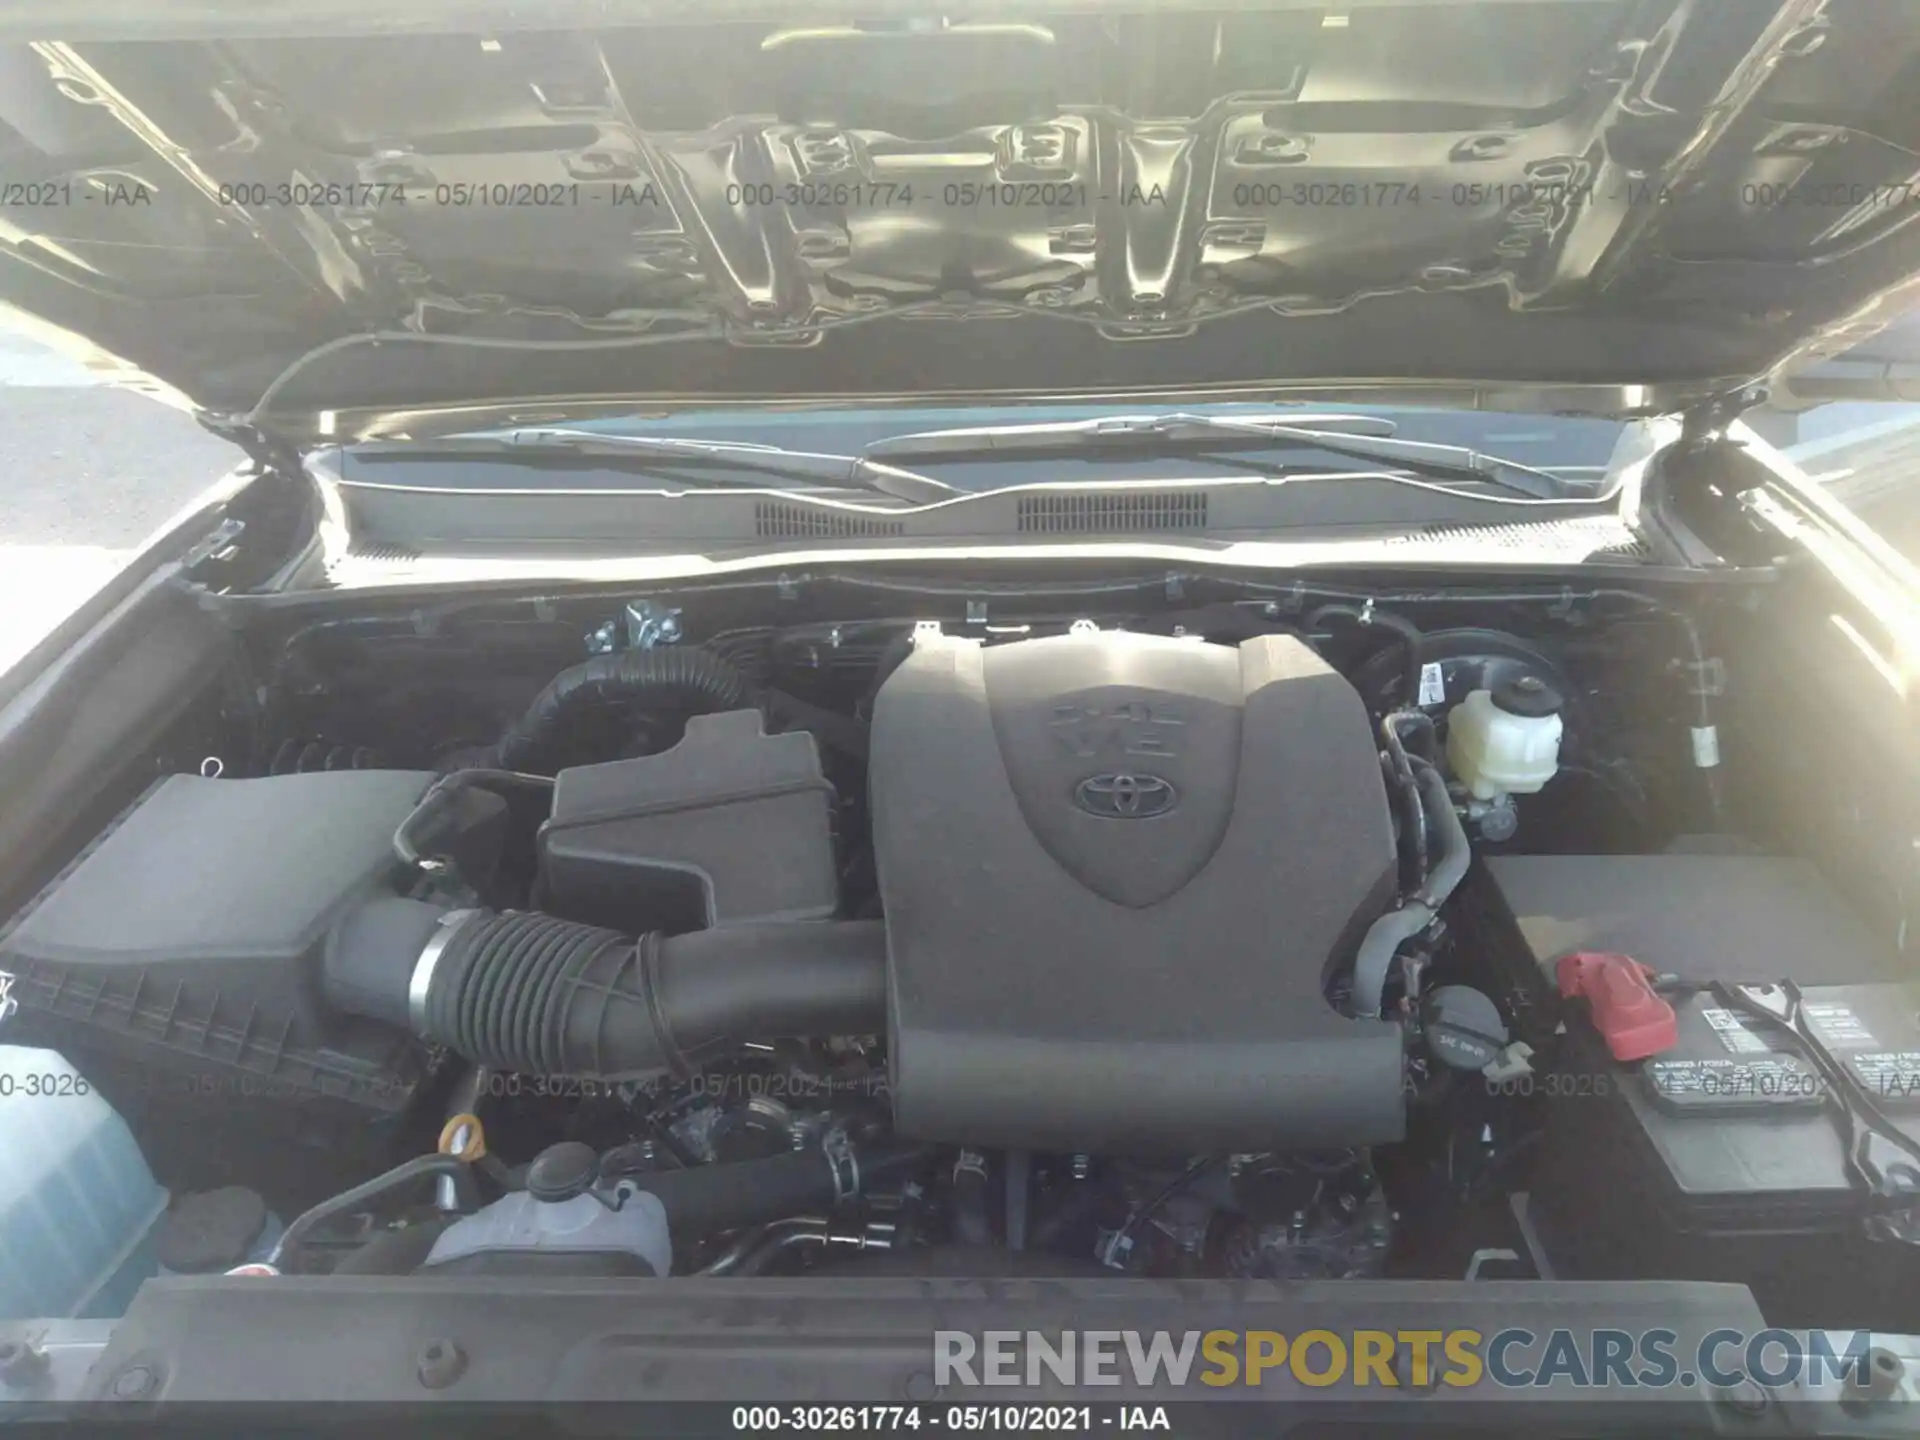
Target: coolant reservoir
<point x="76" y="1198"/>
<point x="1506" y="741"/>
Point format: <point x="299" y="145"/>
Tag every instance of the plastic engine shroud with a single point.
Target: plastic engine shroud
<point x="1117" y="871"/>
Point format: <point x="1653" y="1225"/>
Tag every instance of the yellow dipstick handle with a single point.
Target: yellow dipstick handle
<point x="464" y="1137"/>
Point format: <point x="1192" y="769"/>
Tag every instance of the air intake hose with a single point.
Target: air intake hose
<point x="529" y="993"/>
<point x="694" y="681"/>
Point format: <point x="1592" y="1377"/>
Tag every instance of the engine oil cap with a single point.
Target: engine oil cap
<point x="1463" y="1028"/>
<point x="563" y="1171"/>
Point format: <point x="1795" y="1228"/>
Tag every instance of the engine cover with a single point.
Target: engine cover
<point x="1117" y="869"/>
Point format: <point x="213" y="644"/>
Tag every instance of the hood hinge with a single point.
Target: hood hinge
<point x="268" y="452"/>
<point x="1708" y="420"/>
<point x="216" y="543"/>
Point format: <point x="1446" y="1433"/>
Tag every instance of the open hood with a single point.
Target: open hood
<point x="333" y="220"/>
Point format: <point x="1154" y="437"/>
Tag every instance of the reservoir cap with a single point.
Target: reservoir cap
<point x="1528" y="696"/>
<point x="563" y="1171"/>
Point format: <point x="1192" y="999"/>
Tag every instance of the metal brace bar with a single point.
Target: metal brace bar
<point x="220" y="538"/>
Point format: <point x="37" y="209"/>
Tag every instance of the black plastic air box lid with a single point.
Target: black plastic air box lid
<point x="730" y="825"/>
<point x="212" y="870"/>
<point x="189" y="935"/>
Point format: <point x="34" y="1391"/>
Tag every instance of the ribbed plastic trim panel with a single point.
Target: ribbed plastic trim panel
<point x="1113" y="512"/>
<point x="772" y="520"/>
<point x="1576" y="538"/>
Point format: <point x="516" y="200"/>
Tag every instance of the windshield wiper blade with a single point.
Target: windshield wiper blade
<point x="1183" y="433"/>
<point x="853" y="472"/>
<point x="1173" y="430"/>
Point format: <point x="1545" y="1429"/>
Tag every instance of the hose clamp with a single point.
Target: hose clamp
<point x="422" y="979"/>
<point x="846" y="1167"/>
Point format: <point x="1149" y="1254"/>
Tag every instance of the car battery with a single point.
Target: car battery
<point x="1724" y="1157"/>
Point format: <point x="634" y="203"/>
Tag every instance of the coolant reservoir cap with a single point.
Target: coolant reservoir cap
<point x="1528" y="696"/>
<point x="563" y="1171"/>
<point x="210" y="1231"/>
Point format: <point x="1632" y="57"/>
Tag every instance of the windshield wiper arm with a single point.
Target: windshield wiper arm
<point x="1173" y="430"/>
<point x="1179" y="432"/>
<point x="853" y="472"/>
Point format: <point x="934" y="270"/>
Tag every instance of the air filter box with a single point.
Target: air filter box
<point x="184" y="945"/>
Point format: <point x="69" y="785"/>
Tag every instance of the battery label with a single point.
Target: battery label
<point x="1891" y="1076"/>
<point x="1775" y="1080"/>
<point x="1836" y="1024"/>
<point x="1736" y="1037"/>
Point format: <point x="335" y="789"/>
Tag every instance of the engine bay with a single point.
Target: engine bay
<point x="1316" y="935"/>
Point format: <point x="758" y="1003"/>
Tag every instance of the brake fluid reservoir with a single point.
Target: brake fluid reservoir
<point x="1506" y="741"/>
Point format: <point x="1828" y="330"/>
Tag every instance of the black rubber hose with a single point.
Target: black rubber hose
<point x="892" y="657"/>
<point x="1408" y="633"/>
<point x="971" y="1225"/>
<point x="1426" y="744"/>
<point x="288" y="1254"/>
<point x="536" y="995"/>
<point x="1404" y="791"/>
<point x="1386" y="935"/>
<point x="710" y="1199"/>
<point x="1400" y="763"/>
<point x="756" y="1250"/>
<point x="395" y="1252"/>
<point x="692" y="681"/>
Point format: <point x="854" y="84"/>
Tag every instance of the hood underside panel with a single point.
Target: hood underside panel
<point x="1677" y="195"/>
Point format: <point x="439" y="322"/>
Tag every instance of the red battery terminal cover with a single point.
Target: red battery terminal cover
<point x="1634" y="1018"/>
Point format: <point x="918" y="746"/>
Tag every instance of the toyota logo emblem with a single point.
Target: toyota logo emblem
<point x="1126" y="797"/>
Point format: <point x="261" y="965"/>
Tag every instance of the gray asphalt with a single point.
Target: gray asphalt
<point x="87" y="472"/>
<point x="98" y="466"/>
